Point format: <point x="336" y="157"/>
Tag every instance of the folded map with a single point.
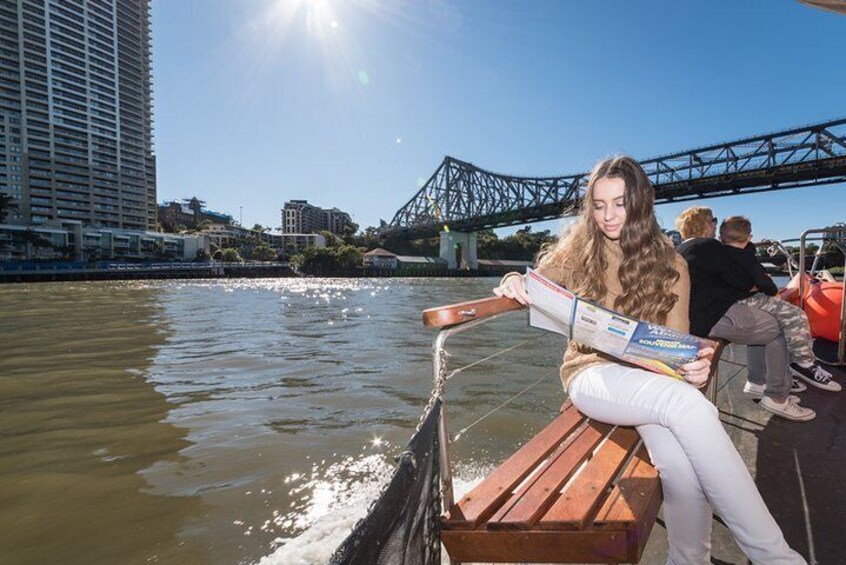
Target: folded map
<point x="651" y="346"/>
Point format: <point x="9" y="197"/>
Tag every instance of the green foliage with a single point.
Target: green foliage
<point x="522" y="245"/>
<point x="7" y="205"/>
<point x="331" y="239"/>
<point x="264" y="252"/>
<point x="420" y="248"/>
<point x="326" y="260"/>
<point x="202" y="254"/>
<point x="231" y="255"/>
<point x="368" y="239"/>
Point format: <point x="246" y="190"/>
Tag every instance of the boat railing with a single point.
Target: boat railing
<point x="449" y="321"/>
<point x="838" y="234"/>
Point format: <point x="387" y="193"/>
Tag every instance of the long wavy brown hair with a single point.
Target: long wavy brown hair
<point x="647" y="271"/>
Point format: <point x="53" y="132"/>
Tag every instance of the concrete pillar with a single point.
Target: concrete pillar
<point x="459" y="250"/>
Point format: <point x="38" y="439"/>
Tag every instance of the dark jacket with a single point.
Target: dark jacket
<point x="716" y="282"/>
<point x="747" y="260"/>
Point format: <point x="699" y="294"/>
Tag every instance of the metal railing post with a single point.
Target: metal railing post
<point x="841" y="341"/>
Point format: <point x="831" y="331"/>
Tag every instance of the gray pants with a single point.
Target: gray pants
<point x="766" y="351"/>
<point x="794" y="325"/>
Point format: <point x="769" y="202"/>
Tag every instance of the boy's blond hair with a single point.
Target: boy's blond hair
<point x="694" y="222"/>
<point x="735" y="229"/>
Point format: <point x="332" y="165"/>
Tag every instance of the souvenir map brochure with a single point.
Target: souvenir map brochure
<point x="651" y="346"/>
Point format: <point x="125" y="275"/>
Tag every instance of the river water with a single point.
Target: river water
<point x="235" y="421"/>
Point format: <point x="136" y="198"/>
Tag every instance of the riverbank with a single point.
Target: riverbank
<point x="56" y="272"/>
<point x="27" y="272"/>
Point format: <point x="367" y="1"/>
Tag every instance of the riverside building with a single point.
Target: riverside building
<point x="76" y="134"/>
<point x="300" y="217"/>
<point x="286" y="244"/>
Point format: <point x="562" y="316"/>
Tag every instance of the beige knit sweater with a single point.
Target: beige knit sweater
<point x="578" y="357"/>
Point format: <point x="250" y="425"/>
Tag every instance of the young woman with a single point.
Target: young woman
<point x="616" y="255"/>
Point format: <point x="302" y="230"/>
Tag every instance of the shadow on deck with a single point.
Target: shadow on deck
<point x="800" y="468"/>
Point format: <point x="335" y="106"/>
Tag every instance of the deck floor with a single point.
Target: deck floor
<point x="799" y="467"/>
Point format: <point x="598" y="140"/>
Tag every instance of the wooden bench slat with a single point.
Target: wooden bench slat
<point x="532" y="502"/>
<point x="632" y="495"/>
<point x="508" y="504"/>
<point x="481" y="502"/>
<point x="594" y="546"/>
<point x="584" y="494"/>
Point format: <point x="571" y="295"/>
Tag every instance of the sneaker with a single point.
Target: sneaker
<point x="757" y="391"/>
<point x="788" y="410"/>
<point x="816" y="376"/>
<point x="796" y="386"/>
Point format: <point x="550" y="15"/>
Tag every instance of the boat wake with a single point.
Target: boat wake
<point x="340" y="498"/>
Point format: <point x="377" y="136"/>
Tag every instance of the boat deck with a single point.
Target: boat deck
<point x="798" y="467"/>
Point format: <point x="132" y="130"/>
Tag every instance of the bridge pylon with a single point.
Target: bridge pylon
<point x="458" y="249"/>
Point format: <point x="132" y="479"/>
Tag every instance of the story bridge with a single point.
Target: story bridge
<point x="460" y="198"/>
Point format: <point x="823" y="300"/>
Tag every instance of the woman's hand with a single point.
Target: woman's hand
<point x="696" y="372"/>
<point x="514" y="286"/>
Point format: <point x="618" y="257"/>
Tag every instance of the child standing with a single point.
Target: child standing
<point x="736" y="234"/>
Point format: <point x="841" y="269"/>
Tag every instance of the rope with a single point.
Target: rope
<point x="501" y="406"/>
<point x="488" y="358"/>
<point x="443" y="376"/>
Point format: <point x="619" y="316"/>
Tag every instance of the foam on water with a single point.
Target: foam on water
<point x="337" y="505"/>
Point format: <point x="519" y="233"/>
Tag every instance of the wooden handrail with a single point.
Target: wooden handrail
<point x="466" y="311"/>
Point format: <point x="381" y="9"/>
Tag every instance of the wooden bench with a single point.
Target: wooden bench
<point x="580" y="491"/>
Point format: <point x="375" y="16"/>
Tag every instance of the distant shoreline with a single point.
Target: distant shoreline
<point x="130" y="271"/>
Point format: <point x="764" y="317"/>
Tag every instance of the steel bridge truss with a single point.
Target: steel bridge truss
<point x="464" y="197"/>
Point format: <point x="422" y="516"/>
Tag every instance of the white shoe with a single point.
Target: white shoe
<point x="753" y="390"/>
<point x="788" y="410"/>
<point x="816" y="376"/>
<point x="757" y="391"/>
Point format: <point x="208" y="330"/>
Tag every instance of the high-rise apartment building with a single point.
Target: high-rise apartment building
<point x="76" y="134"/>
<point x="298" y="216"/>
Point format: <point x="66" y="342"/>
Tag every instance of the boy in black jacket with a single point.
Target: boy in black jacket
<point x="736" y="234"/>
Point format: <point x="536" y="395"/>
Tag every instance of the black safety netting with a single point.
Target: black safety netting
<point x="402" y="526"/>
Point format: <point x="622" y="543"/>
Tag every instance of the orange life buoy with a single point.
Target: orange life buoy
<point x="822" y="305"/>
<point x="823" y="301"/>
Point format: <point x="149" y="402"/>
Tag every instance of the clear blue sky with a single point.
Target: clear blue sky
<point x="351" y="103"/>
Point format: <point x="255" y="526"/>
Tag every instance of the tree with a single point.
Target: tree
<point x="264" y="252"/>
<point x="326" y="260"/>
<point x="369" y="239"/>
<point x="7" y="204"/>
<point x="260" y="228"/>
<point x="32" y="241"/>
<point x="348" y="233"/>
<point x="348" y="257"/>
<point x="230" y="255"/>
<point x="331" y="239"/>
<point x="202" y="254"/>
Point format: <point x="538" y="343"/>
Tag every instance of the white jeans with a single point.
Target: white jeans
<point x="699" y="466"/>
